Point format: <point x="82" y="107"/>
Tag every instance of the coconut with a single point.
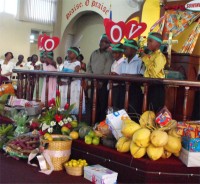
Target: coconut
<point x="147" y="118"/>
<point x="176" y="154"/>
<point x="153" y="152"/>
<point x="129" y="127"/>
<point x="173" y="132"/>
<point x="123" y="144"/>
<point x="173" y="144"/>
<point x="142" y="137"/>
<point x="159" y="138"/>
<point x="136" y="151"/>
<point x="166" y="154"/>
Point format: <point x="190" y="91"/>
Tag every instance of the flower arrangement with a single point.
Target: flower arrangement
<point x="55" y="119"/>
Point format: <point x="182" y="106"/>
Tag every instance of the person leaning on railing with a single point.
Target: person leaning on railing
<point x="132" y="66"/>
<point x="100" y="63"/>
<point x="155" y="62"/>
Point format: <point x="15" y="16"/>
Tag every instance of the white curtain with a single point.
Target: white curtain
<point x="41" y="11"/>
<point x="8" y="6"/>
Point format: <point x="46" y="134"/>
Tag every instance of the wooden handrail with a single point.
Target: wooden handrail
<point x="124" y="78"/>
<point x="32" y="78"/>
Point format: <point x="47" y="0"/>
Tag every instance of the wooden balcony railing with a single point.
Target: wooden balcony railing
<point x="27" y="80"/>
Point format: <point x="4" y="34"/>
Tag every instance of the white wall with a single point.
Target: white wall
<point x="89" y="29"/>
<point x="80" y="19"/>
<point x="15" y="35"/>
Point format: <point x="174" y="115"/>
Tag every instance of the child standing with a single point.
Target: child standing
<point x="117" y="52"/>
<point x="132" y="65"/>
<point x="155" y="63"/>
<point x="70" y="66"/>
<point x="49" y="65"/>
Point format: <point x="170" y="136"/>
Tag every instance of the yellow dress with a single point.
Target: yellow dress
<point x="154" y="64"/>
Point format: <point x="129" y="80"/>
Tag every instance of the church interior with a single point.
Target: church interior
<point x="100" y="91"/>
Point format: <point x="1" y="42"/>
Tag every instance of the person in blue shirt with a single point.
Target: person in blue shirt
<point x="72" y="65"/>
<point x="132" y="66"/>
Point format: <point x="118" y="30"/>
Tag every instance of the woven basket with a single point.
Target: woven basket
<point x="74" y="171"/>
<point x="59" y="151"/>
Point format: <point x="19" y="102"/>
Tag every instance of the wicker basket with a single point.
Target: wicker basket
<point x="59" y="151"/>
<point x="74" y="171"/>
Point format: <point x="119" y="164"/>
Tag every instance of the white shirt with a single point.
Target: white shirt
<point x="6" y="68"/>
<point x="60" y="67"/>
<point x="116" y="66"/>
<point x="133" y="67"/>
<point x="71" y="66"/>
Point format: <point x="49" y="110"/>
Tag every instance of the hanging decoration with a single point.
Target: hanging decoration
<point x="117" y="31"/>
<point x="47" y="43"/>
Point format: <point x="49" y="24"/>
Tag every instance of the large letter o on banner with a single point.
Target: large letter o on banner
<point x="49" y="45"/>
<point x="116" y="37"/>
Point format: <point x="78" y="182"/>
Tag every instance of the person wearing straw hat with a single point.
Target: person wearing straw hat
<point x="132" y="66"/>
<point x="117" y="52"/>
<point x="155" y="62"/>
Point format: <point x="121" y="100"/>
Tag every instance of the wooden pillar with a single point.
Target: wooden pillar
<point x="144" y="106"/>
<point x="69" y="90"/>
<point x="20" y="85"/>
<point x="110" y="94"/>
<point x="47" y="92"/>
<point x="185" y="103"/>
<point x="25" y="86"/>
<point x="81" y="101"/>
<point x="32" y="86"/>
<point x="37" y="88"/>
<point x="28" y="87"/>
<point x="126" y="102"/>
<point x="94" y="102"/>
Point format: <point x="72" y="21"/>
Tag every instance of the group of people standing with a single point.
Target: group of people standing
<point x="108" y="60"/>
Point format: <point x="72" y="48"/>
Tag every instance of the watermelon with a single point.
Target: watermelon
<point x="83" y="131"/>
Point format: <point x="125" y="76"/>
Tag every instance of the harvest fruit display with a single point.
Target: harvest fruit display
<point x="149" y="137"/>
<point x="76" y="163"/>
<point x="22" y="146"/>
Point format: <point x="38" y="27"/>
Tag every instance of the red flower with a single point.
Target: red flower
<point x="52" y="102"/>
<point x="42" y="132"/>
<point x="66" y="106"/>
<point x="34" y="125"/>
<point x="58" y="93"/>
<point x="58" y="118"/>
<point x="68" y="125"/>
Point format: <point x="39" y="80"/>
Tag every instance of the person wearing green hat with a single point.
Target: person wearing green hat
<point x="72" y="65"/>
<point x="100" y="63"/>
<point x="155" y="63"/>
<point x="132" y="66"/>
<point x="49" y="65"/>
<point x="117" y="52"/>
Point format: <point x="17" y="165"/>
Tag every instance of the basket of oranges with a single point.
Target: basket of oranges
<point x="75" y="167"/>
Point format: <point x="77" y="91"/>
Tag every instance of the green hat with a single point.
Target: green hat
<point x="130" y="43"/>
<point x="117" y="47"/>
<point x="49" y="55"/>
<point x="74" y="51"/>
<point x="104" y="36"/>
<point x="42" y="53"/>
<point x="153" y="36"/>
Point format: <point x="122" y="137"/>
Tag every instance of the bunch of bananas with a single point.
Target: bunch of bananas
<point x="6" y="133"/>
